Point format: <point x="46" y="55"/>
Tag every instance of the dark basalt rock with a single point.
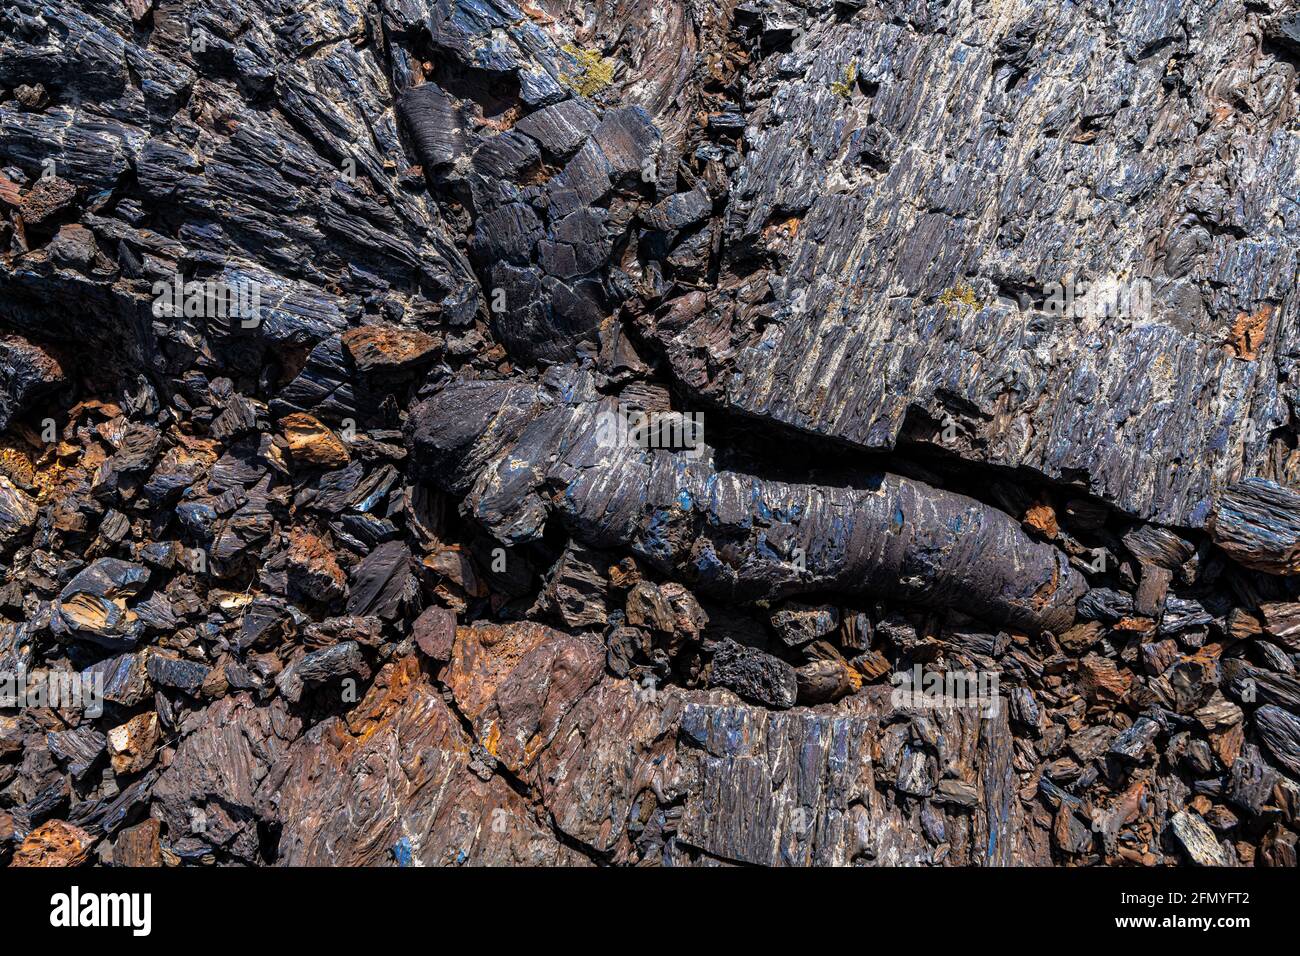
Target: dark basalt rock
<point x="754" y="675"/>
<point x="648" y="434"/>
<point x="906" y="540"/>
<point x="27" y="372"/>
<point x="322" y="667"/>
<point x="1257" y="522"/>
<point x="1280" y="731"/>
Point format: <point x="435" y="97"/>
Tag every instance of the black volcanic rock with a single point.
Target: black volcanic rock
<point x="829" y="433"/>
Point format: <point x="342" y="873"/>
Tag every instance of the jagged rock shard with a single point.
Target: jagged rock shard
<point x="515" y="682"/>
<point x="1280" y="731"/>
<point x="383" y="582"/>
<point x="206" y="797"/>
<point x="754" y="675"/>
<point x="55" y="843"/>
<point x="1197" y="839"/>
<point x="27" y="372"/>
<point x="17" y="514"/>
<point x="1257" y="522"/>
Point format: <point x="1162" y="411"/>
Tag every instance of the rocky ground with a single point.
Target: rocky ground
<point x="314" y="317"/>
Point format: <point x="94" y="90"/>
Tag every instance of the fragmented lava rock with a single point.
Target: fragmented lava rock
<point x="754" y="675"/>
<point x="55" y="843"/>
<point x="649" y="434"/>
<point x="1257" y="522"/>
<point x="27" y="371"/>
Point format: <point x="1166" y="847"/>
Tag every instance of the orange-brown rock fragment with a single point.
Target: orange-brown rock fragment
<point x="312" y="567"/>
<point x="139" y="845"/>
<point x="1102" y="680"/>
<point x="311" y="442"/>
<point x="376" y="348"/>
<point x="56" y="843"/>
<point x="1248" y="332"/>
<point x="1041" y="517"/>
<point x="517" y="681"/>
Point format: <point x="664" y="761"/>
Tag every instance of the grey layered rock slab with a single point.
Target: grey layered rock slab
<point x="1010" y="184"/>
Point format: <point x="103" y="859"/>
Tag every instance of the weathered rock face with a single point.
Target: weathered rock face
<point x="205" y="798"/>
<point x="996" y="153"/>
<point x="391" y="783"/>
<point x="781" y="433"/>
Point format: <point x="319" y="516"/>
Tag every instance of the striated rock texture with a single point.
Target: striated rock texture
<point x="782" y="433"/>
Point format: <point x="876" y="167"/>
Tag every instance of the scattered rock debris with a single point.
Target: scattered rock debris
<point x="445" y="434"/>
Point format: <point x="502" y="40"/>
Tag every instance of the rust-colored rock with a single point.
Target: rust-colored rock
<point x="55" y="843"/>
<point x="435" y="633"/>
<point x="1041" y="517"/>
<point x="311" y="442"/>
<point x="515" y="682"/>
<point x="139" y="846"/>
<point x="390" y="783"/>
<point x="382" y="348"/>
<point x="1103" y="680"/>
<point x="48" y="197"/>
<point x="313" y="570"/>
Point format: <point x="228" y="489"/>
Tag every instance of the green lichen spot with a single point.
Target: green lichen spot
<point x="594" y="73"/>
<point x="844" y="87"/>
<point x="959" y="298"/>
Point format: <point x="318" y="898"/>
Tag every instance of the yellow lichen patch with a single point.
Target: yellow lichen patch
<point x="48" y="479"/>
<point x="17" y="467"/>
<point x="855" y="680"/>
<point x="844" y="87"/>
<point x="595" y="72"/>
<point x="536" y="743"/>
<point x="959" y="298"/>
<point x="42" y="478"/>
<point x="1248" y="331"/>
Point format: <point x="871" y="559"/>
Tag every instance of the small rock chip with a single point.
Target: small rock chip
<point x="378" y="348"/>
<point x="435" y="632"/>
<point x="312" y="443"/>
<point x="174" y="672"/>
<point x="797" y="624"/>
<point x="138" y="845"/>
<point x="956" y="793"/>
<point x="313" y="571"/>
<point x="1197" y="839"/>
<point x="31" y="97"/>
<point x="1103" y="680"/>
<point x="1041" y="517"/>
<point x="17" y="513"/>
<point x="132" y="745"/>
<point x="1081" y="637"/>
<point x="821" y="682"/>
